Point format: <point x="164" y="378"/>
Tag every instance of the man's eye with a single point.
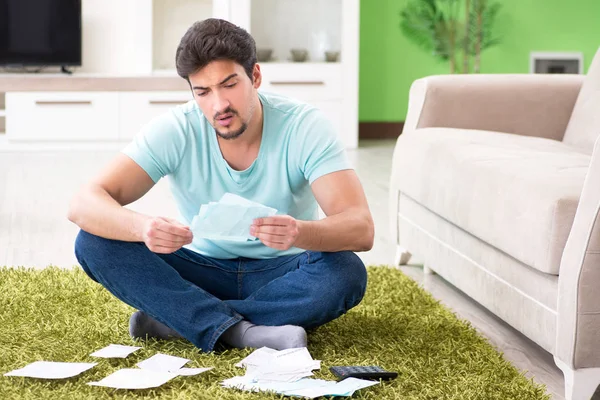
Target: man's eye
<point x="230" y="86"/>
<point x="202" y="94"/>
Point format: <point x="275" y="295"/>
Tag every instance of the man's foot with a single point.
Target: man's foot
<point x="141" y="325"/>
<point x="245" y="334"/>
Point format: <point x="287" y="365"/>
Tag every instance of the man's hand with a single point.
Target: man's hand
<point x="279" y="232"/>
<point x="166" y="235"/>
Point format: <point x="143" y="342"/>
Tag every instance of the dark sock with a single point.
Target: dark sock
<point x="141" y="325"/>
<point x="245" y="334"/>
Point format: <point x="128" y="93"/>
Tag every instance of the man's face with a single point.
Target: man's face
<point x="226" y="96"/>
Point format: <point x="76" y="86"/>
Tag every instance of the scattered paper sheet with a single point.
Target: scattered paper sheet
<point x="242" y="383"/>
<point x="51" y="370"/>
<point x="347" y="387"/>
<point x="115" y="351"/>
<point x="256" y="357"/>
<point x="306" y="387"/>
<point x="282" y="366"/>
<point x="163" y="363"/>
<point x="130" y="378"/>
<point x="191" y="371"/>
<point x="285" y="372"/>
<point x="350" y="385"/>
<point x="229" y="218"/>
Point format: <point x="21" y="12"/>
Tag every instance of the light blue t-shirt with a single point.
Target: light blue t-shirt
<point x="298" y="146"/>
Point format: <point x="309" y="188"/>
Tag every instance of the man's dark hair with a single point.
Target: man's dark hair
<point x="214" y="39"/>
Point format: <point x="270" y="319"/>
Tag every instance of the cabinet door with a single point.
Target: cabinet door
<point x="72" y="116"/>
<point x="139" y="108"/>
<point x="314" y="82"/>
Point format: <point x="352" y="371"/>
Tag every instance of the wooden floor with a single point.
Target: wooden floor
<point x="35" y="188"/>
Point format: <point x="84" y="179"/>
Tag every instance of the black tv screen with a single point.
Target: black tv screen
<point x="40" y="32"/>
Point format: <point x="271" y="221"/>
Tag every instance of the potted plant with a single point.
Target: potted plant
<point x="436" y="26"/>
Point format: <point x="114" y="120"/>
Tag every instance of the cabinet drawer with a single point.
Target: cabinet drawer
<point x="138" y="108"/>
<point x="61" y="116"/>
<point x="305" y="82"/>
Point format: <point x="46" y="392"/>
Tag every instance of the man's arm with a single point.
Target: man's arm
<point x="348" y="224"/>
<point x="98" y="209"/>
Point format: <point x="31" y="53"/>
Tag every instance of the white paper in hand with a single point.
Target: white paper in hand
<point x="130" y="378"/>
<point x="51" y="370"/>
<point x="229" y="218"/>
<point x="115" y="351"/>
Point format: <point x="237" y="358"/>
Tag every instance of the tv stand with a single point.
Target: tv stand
<point x="64" y="70"/>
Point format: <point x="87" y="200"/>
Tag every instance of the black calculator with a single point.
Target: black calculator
<point x="373" y="373"/>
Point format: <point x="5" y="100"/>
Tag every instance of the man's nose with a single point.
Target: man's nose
<point x="221" y="103"/>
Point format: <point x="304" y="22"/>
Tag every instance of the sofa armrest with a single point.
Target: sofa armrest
<point x="578" y="323"/>
<point x="525" y="104"/>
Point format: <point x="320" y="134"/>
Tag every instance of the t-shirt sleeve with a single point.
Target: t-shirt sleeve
<point x="158" y="147"/>
<point x="320" y="149"/>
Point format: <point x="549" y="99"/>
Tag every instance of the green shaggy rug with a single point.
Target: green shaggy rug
<point x="62" y="315"/>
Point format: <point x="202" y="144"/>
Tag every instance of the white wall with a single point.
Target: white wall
<point x="171" y="19"/>
<point x="117" y="36"/>
<point x="136" y="36"/>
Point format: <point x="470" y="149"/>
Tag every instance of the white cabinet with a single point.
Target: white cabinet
<point x="320" y="86"/>
<point x="136" y="109"/>
<point x="85" y="116"/>
<point x="62" y="116"/>
<point x="319" y="82"/>
<point x="148" y="32"/>
<point x="317" y="26"/>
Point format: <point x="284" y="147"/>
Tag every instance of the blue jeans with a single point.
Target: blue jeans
<point x="201" y="297"/>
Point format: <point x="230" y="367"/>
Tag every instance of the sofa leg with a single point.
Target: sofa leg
<point x="402" y="256"/>
<point x="580" y="384"/>
<point x="427" y="270"/>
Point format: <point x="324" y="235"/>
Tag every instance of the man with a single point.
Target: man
<point x="300" y="273"/>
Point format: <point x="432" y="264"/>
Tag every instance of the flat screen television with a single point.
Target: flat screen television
<point x="40" y="32"/>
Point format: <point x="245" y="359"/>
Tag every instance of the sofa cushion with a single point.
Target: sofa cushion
<point x="584" y="125"/>
<point x="517" y="193"/>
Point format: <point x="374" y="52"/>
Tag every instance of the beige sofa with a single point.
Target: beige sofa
<point x="496" y="187"/>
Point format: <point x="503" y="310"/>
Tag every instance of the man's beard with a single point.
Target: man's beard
<point x="234" y="134"/>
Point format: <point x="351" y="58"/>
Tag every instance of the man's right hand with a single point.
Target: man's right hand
<point x="166" y="235"/>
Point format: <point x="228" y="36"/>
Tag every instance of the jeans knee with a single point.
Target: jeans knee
<point x="88" y="249"/>
<point x="83" y="243"/>
<point x="357" y="276"/>
<point x="349" y="276"/>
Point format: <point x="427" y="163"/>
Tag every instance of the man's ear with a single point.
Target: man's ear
<point x="256" y="76"/>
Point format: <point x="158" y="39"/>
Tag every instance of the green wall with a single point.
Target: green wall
<point x="389" y="63"/>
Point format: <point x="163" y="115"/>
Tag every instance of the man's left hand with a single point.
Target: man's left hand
<point x="279" y="232"/>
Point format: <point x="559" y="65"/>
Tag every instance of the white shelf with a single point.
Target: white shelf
<point x="2" y="114"/>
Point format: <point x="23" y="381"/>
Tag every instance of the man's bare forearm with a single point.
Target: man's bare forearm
<point x="96" y="212"/>
<point x="350" y="230"/>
